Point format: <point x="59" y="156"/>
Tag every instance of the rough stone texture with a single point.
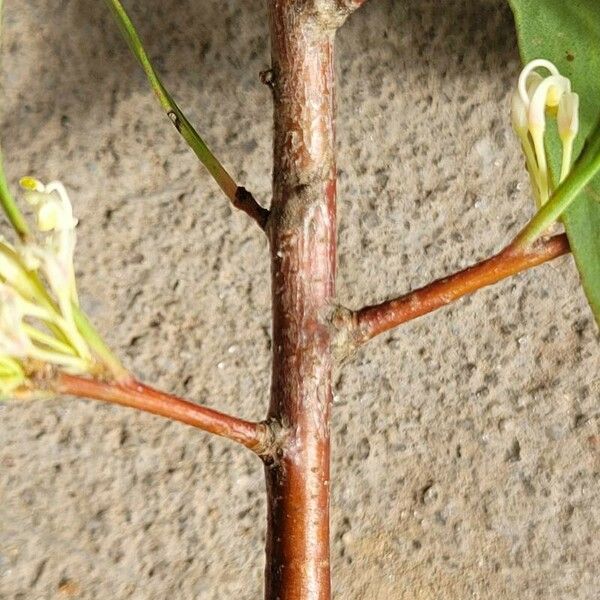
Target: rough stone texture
<point x="467" y="444"/>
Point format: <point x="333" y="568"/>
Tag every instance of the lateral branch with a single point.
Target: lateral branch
<point x="134" y="394"/>
<point x="370" y="321"/>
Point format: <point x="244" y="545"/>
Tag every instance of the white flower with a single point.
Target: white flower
<point x="38" y="294"/>
<point x="13" y="339"/>
<point x="26" y="332"/>
<point x="14" y="272"/>
<point x="534" y="96"/>
<point x="54" y="219"/>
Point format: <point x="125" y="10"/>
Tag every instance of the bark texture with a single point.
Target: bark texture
<point x="359" y="327"/>
<point x="302" y="233"/>
<point x="134" y="394"/>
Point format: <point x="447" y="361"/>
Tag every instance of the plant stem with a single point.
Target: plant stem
<point x="585" y="169"/>
<point x="239" y="196"/>
<point x="370" y="321"/>
<point x="98" y="346"/>
<point x="6" y="198"/>
<point x="134" y="394"/>
<point x="302" y="231"/>
<point x="10" y="206"/>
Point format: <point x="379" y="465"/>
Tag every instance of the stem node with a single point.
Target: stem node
<point x="246" y="202"/>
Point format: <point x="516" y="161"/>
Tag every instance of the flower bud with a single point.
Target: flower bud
<point x="534" y="96"/>
<point x="518" y="115"/>
<point x="567" y="117"/>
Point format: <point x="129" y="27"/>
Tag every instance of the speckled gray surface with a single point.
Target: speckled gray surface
<point x="466" y="445"/>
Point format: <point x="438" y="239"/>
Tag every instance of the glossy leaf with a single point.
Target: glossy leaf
<point x="568" y="34"/>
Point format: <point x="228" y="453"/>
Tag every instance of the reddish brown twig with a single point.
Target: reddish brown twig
<point x="245" y="201"/>
<point x="134" y="394"/>
<point x="370" y="321"/>
<point x="302" y="231"/>
<point x="301" y="227"/>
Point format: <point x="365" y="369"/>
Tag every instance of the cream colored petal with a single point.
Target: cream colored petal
<point x="529" y="71"/>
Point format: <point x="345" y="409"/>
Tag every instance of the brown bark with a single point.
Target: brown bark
<point x="255" y="436"/>
<point x="245" y="201"/>
<point x="294" y="442"/>
<point x="302" y="233"/>
<point x="370" y="321"/>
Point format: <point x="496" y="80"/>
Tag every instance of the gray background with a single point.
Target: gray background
<point x="466" y="444"/>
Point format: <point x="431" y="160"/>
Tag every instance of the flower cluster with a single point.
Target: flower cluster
<point x="38" y="297"/>
<point x="536" y="98"/>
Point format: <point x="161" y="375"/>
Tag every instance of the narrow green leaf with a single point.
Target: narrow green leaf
<point x="185" y="128"/>
<point x="10" y="206"/>
<point x="568" y="34"/>
<point x="6" y="199"/>
<point x="97" y="344"/>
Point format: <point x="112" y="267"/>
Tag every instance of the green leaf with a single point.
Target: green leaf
<point x="185" y="128"/>
<point x="579" y="179"/>
<point x="568" y="34"/>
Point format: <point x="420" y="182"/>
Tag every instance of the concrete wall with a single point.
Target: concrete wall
<point x="466" y="444"/>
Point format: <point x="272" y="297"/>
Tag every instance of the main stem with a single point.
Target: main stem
<point x="302" y="233"/>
